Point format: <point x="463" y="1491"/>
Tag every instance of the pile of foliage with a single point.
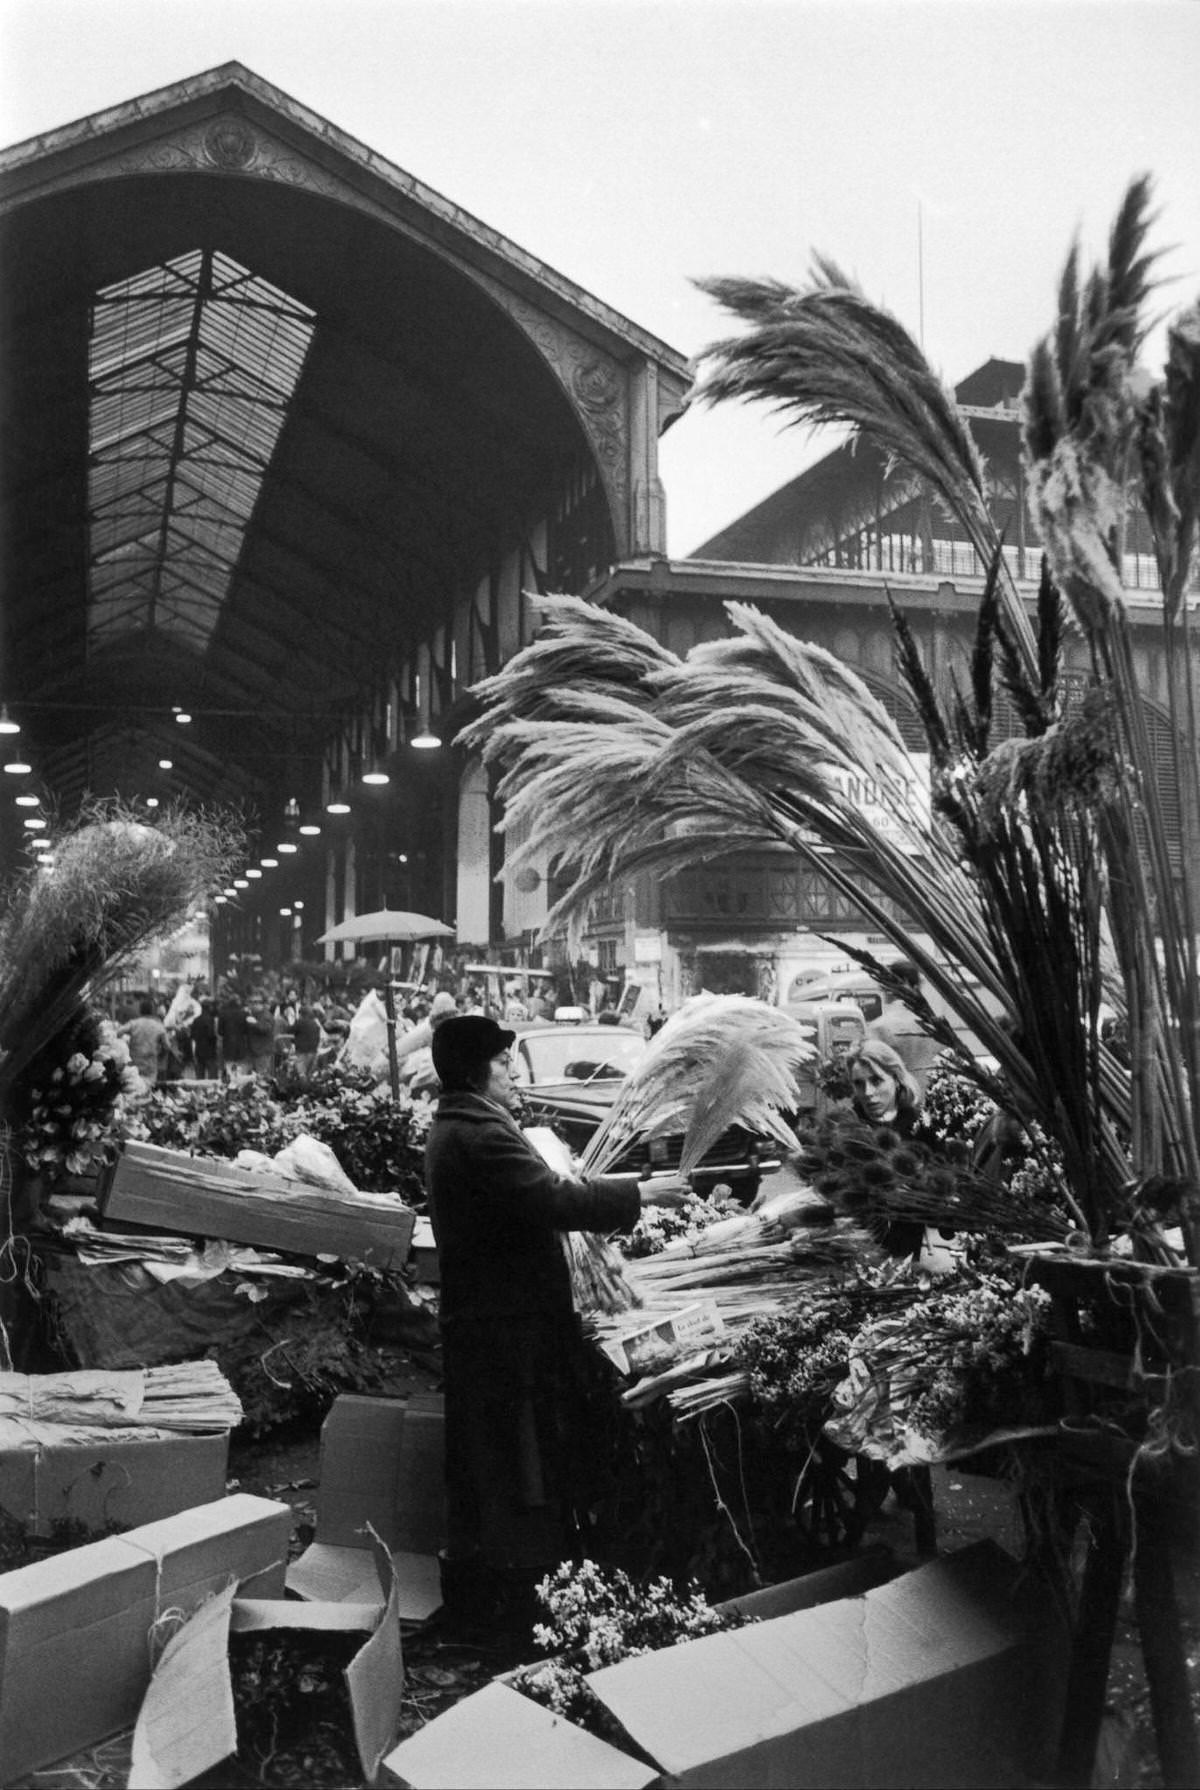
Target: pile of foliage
<point x="379" y="1141"/>
<point x="326" y="1339"/>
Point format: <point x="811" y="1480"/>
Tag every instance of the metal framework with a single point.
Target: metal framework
<point x="191" y="368"/>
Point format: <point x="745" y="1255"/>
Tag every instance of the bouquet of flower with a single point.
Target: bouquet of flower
<point x="960" y="1360"/>
<point x="794" y="1357"/>
<point x="74" y="1108"/>
<point x="596" y="1617"/>
<point x="660" y="1226"/>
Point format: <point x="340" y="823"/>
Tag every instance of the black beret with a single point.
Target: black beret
<point x="461" y="1047"/>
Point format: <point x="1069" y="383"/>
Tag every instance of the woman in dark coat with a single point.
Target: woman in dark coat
<point x="509" y="1330"/>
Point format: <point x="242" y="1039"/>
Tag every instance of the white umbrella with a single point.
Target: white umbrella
<point x="386" y="925"/>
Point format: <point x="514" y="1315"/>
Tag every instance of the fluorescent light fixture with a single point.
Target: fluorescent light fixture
<point x="375" y="777"/>
<point x="254" y="875"/>
<point x="310" y="831"/>
<point x="152" y="801"/>
<point x="286" y="912"/>
<point x="337" y="807"/>
<point x="239" y="882"/>
<point x="16" y="767"/>
<point x="269" y="863"/>
<point x="26" y="801"/>
<point x="166" y="764"/>
<point x="286" y="845"/>
<point x="7" y="724"/>
<point x="34" y="822"/>
<point x="426" y="740"/>
<point x="182" y="716"/>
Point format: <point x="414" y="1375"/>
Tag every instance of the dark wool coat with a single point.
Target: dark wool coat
<point x="509" y="1334"/>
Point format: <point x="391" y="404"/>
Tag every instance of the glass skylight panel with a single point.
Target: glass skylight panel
<point x="192" y="366"/>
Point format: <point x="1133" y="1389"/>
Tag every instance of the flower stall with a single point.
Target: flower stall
<point x="1042" y="883"/>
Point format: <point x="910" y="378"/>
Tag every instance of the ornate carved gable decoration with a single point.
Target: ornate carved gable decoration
<point x="595" y="382"/>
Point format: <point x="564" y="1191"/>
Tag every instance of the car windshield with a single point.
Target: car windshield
<point x="576" y="1053"/>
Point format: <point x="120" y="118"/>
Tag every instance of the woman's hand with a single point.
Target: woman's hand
<point x="665" y="1190"/>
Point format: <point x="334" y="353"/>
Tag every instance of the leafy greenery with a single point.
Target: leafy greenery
<point x="378" y="1141"/>
<point x="295" y="1362"/>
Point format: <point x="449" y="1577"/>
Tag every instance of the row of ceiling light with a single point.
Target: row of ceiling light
<point x="34" y="823"/>
<point x="288" y="847"/>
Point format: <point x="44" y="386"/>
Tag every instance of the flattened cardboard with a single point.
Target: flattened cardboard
<point x="168" y="1190"/>
<point x="500" y="1740"/>
<point x="74" y="1629"/>
<point x="918" y="1681"/>
<point x="105" y="1480"/>
<point x="187" y="1723"/>
<point x="348" y="1576"/>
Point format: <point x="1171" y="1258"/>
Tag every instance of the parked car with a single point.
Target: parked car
<point x="569" y="1078"/>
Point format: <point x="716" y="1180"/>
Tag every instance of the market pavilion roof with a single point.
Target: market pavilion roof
<point x="270" y="405"/>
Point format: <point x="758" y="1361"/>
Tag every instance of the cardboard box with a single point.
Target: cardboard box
<point x="424" y="1253"/>
<point x="203" y="1196"/>
<point x="105" y="1479"/>
<point x="382" y="1463"/>
<point x="927" y="1680"/>
<point x="849" y="1578"/>
<point x="75" y="1630"/>
<point x="375" y="1676"/>
<point x="500" y="1740"/>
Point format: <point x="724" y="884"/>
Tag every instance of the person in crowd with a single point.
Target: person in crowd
<point x="420" y="1036"/>
<point x="146" y="1036"/>
<point x="899" y="1026"/>
<point x="335" y="1018"/>
<point x="205" y="1039"/>
<point x="515" y="1010"/>
<point x="260" y="1034"/>
<point x="283" y="1026"/>
<point x="185" y="1005"/>
<point x="231" y="1024"/>
<point x="885" y="1092"/>
<point x="306" y="1034"/>
<point x="510" y="1335"/>
<point x="539" y="1005"/>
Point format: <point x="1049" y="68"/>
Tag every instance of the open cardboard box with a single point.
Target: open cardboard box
<point x="382" y="1465"/>
<point x="75" y="1629"/>
<point x="932" y="1678"/>
<point x="187" y="1725"/>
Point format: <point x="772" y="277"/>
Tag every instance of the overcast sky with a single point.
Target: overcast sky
<point x="635" y="144"/>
